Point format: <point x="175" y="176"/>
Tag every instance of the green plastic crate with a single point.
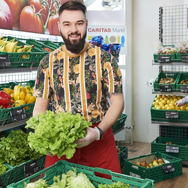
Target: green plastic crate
<point x="5" y="116"/>
<point x="155" y="173"/>
<point x="50" y="43"/>
<point x="64" y="166"/>
<point x="160" y="115"/>
<point x="175" y="76"/>
<point x="173" y="131"/>
<point x="59" y="43"/>
<point x="34" y="58"/>
<point x="122" y="155"/>
<point x="18" y="172"/>
<point x="179" y="57"/>
<point x="40" y="45"/>
<point x="182" y="76"/>
<point x="159" y="144"/>
<point x="4" y="178"/>
<point x="172" y="57"/>
<point x="119" y="123"/>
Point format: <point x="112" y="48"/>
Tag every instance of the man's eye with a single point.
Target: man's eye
<point x="80" y="23"/>
<point x="66" y="25"/>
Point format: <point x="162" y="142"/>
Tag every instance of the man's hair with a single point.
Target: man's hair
<point x="72" y="5"/>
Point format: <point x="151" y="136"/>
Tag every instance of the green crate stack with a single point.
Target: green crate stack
<point x="155" y="173"/>
<point x="175" y="76"/>
<point x="18" y="172"/>
<point x="159" y="144"/>
<point x="4" y="178"/>
<point x="59" y="43"/>
<point x="5" y="116"/>
<point x="119" y="123"/>
<point x="173" y="131"/>
<point x="16" y="59"/>
<point x="172" y="57"/>
<point x="182" y="76"/>
<point x="123" y="155"/>
<point x="179" y="57"/>
<point x="63" y="166"/>
<point x="50" y="43"/>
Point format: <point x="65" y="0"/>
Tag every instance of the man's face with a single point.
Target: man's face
<point x="73" y="26"/>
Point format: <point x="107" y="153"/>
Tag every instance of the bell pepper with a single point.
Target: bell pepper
<point x="31" y="99"/>
<point x="8" y="91"/>
<point x="12" y="97"/>
<point x="27" y="89"/>
<point x="5" y="95"/>
<point x="19" y="95"/>
<point x="19" y="102"/>
<point x="28" y="95"/>
<point x="18" y="88"/>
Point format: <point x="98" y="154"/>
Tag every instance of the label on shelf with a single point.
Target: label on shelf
<point x="18" y="115"/>
<point x="5" y="61"/>
<point x="172" y="149"/>
<point x="135" y="175"/>
<point x="184" y="58"/>
<point x="168" y="168"/>
<point x="163" y="59"/>
<point x="184" y="89"/>
<point x="31" y="168"/>
<point x="165" y="88"/>
<point x="172" y="115"/>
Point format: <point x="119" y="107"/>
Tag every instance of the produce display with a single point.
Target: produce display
<point x="73" y="180"/>
<point x="56" y="133"/>
<point x="19" y="96"/>
<point x="183" y="47"/>
<point x="184" y="82"/>
<point x="167" y="102"/>
<point x="3" y="169"/>
<point x="153" y="163"/>
<point x="14" y="149"/>
<point x="167" y="81"/>
<point x="160" y="49"/>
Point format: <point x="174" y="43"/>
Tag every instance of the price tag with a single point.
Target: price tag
<point x="31" y="168"/>
<point x="4" y="61"/>
<point x="18" y="115"/>
<point x="172" y="149"/>
<point x="165" y="88"/>
<point x="184" y="89"/>
<point x="168" y="168"/>
<point x="134" y="175"/>
<point x="173" y="115"/>
<point x="163" y="59"/>
<point x="184" y="58"/>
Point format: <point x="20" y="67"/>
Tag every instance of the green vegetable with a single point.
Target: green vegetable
<point x="114" y="185"/>
<point x="38" y="184"/>
<point x="56" y="133"/>
<point x="14" y="149"/>
<point x="3" y="169"/>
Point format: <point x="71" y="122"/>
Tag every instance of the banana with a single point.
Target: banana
<point x="11" y="47"/>
<point x="3" y="40"/>
<point x="19" y="48"/>
<point x="2" y="47"/>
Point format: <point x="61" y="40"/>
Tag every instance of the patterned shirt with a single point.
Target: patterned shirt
<point x="79" y="83"/>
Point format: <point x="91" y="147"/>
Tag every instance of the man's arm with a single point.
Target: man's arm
<point x="41" y="105"/>
<point x="113" y="112"/>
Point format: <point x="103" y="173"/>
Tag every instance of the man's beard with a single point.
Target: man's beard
<point x="74" y="47"/>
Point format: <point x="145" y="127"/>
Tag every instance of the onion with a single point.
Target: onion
<point x="6" y="20"/>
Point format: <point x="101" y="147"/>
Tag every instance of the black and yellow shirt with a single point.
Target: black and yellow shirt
<point x="79" y="83"/>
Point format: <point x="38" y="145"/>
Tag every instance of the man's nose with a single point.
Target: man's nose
<point x="74" y="28"/>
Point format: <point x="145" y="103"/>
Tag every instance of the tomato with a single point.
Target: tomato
<point x="38" y="6"/>
<point x="16" y="7"/>
<point x="29" y="21"/>
<point x="52" y="25"/>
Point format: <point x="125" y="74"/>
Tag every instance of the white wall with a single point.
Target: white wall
<point x="145" y="32"/>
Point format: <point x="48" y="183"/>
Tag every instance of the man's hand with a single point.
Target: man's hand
<point x="92" y="135"/>
<point x="179" y="103"/>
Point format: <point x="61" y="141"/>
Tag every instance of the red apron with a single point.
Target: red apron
<point x="100" y="153"/>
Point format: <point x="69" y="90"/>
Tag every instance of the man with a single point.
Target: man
<point x="78" y="77"/>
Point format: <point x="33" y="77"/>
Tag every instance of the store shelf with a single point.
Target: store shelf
<point x="170" y="123"/>
<point x="168" y="93"/>
<point x="13" y="70"/>
<point x="174" y="63"/>
<point x="13" y="125"/>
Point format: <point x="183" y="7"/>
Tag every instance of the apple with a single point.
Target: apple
<point x="159" y="160"/>
<point x="155" y="164"/>
<point x="150" y="164"/>
<point x="6" y="20"/>
<point x="147" y="166"/>
<point x="137" y="163"/>
<point x="154" y="161"/>
<point x="143" y="164"/>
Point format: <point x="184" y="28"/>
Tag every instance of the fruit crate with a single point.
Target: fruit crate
<point x="161" y="115"/>
<point x="173" y="132"/>
<point x="4" y="178"/>
<point x="123" y="155"/>
<point x="179" y="150"/>
<point x="155" y="173"/>
<point x="180" y="87"/>
<point x="59" y="43"/>
<point x="16" y="59"/>
<point x="24" y="170"/>
<point x="119" y="123"/>
<point x="40" y="45"/>
<point x="157" y="85"/>
<point x="5" y="116"/>
<point x="50" y="43"/>
<point x="179" y="57"/>
<point x="63" y="166"/>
